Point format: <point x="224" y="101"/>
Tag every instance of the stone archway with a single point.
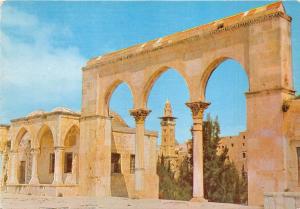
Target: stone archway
<point x="211" y="67"/>
<point x="120" y="103"/>
<point x="152" y="78"/>
<point x="246" y="37"/>
<point x="71" y="148"/>
<point x="108" y="94"/>
<point x="164" y="98"/>
<point x="46" y="157"/>
<point x="24" y="159"/>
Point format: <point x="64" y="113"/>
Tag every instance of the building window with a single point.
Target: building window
<point x="22" y="172"/>
<point x="132" y="163"/>
<point x="115" y="163"/>
<point x="244" y="137"/>
<point x="232" y="144"/>
<point x="52" y="163"/>
<point x="244" y="155"/>
<point x="8" y="145"/>
<point x="68" y="162"/>
<point x="243" y="144"/>
<point x="298" y="158"/>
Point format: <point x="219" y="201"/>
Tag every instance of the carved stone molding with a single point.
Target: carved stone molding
<point x="13" y="152"/>
<point x="59" y="148"/>
<point x="197" y="108"/>
<point x="93" y="117"/>
<point x="131" y="52"/>
<point x="140" y="114"/>
<point x="35" y="150"/>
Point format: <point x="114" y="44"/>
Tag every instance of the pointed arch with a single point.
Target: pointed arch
<point x="211" y="67"/>
<point x="22" y="145"/>
<point x="20" y="134"/>
<point x="71" y="145"/>
<point x="72" y="131"/>
<point x="45" y="142"/>
<point x="111" y="89"/>
<point x="43" y="130"/>
<point x="156" y="75"/>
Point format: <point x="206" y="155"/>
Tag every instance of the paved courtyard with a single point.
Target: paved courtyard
<point x="13" y="201"/>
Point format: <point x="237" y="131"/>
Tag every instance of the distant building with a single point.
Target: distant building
<point x="237" y="150"/>
<point x="167" y="148"/>
<point x="172" y="152"/>
<point x="39" y="154"/>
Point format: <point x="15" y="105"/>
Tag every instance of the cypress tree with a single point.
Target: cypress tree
<point x="222" y="182"/>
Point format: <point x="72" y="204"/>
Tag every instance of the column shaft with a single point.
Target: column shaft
<point x="197" y="109"/>
<point x="58" y="168"/>
<point x="34" y="169"/>
<point x="139" y="157"/>
<point x="139" y="116"/>
<point x="13" y="171"/>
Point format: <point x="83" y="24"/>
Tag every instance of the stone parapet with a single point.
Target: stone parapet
<point x="226" y="24"/>
<point x="282" y="200"/>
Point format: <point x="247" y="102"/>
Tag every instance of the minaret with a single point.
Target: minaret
<point x="168" y="132"/>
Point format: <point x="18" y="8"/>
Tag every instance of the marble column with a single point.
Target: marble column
<point x="34" y="168"/>
<point x="139" y="116"/>
<point x="58" y="168"/>
<point x="197" y="109"/>
<point x="13" y="168"/>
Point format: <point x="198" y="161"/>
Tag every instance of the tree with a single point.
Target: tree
<point x="169" y="187"/>
<point x="222" y="182"/>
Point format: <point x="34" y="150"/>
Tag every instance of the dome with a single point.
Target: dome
<point x="62" y="109"/>
<point x="117" y="120"/>
<point x="37" y="112"/>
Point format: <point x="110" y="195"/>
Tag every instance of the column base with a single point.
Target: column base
<point x="198" y="199"/>
<point x="138" y="195"/>
<point x="57" y="182"/>
<point x="12" y="181"/>
<point x="34" y="181"/>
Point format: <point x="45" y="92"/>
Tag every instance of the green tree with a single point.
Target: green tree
<point x="222" y="182"/>
<point x="169" y="187"/>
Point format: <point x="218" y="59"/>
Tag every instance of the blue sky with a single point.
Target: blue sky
<point x="45" y="44"/>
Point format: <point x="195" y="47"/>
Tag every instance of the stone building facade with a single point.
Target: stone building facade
<point x="237" y="150"/>
<point x="259" y="39"/>
<point x="43" y="158"/>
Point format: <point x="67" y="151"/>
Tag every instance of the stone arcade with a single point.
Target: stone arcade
<point x="258" y="39"/>
<point x="44" y="156"/>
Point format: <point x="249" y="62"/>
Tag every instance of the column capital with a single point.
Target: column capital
<point x="59" y="148"/>
<point x="197" y="108"/>
<point x="35" y="150"/>
<point x="139" y="114"/>
<point x="13" y="151"/>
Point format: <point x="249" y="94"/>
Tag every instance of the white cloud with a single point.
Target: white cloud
<point x="32" y="65"/>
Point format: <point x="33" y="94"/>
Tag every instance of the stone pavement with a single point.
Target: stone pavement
<point x="13" y="201"/>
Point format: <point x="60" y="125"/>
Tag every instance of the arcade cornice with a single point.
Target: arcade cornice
<point x="269" y="91"/>
<point x="93" y="117"/>
<point x="129" y="130"/>
<point x="244" y="19"/>
<point x="4" y="126"/>
<point x="45" y="116"/>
